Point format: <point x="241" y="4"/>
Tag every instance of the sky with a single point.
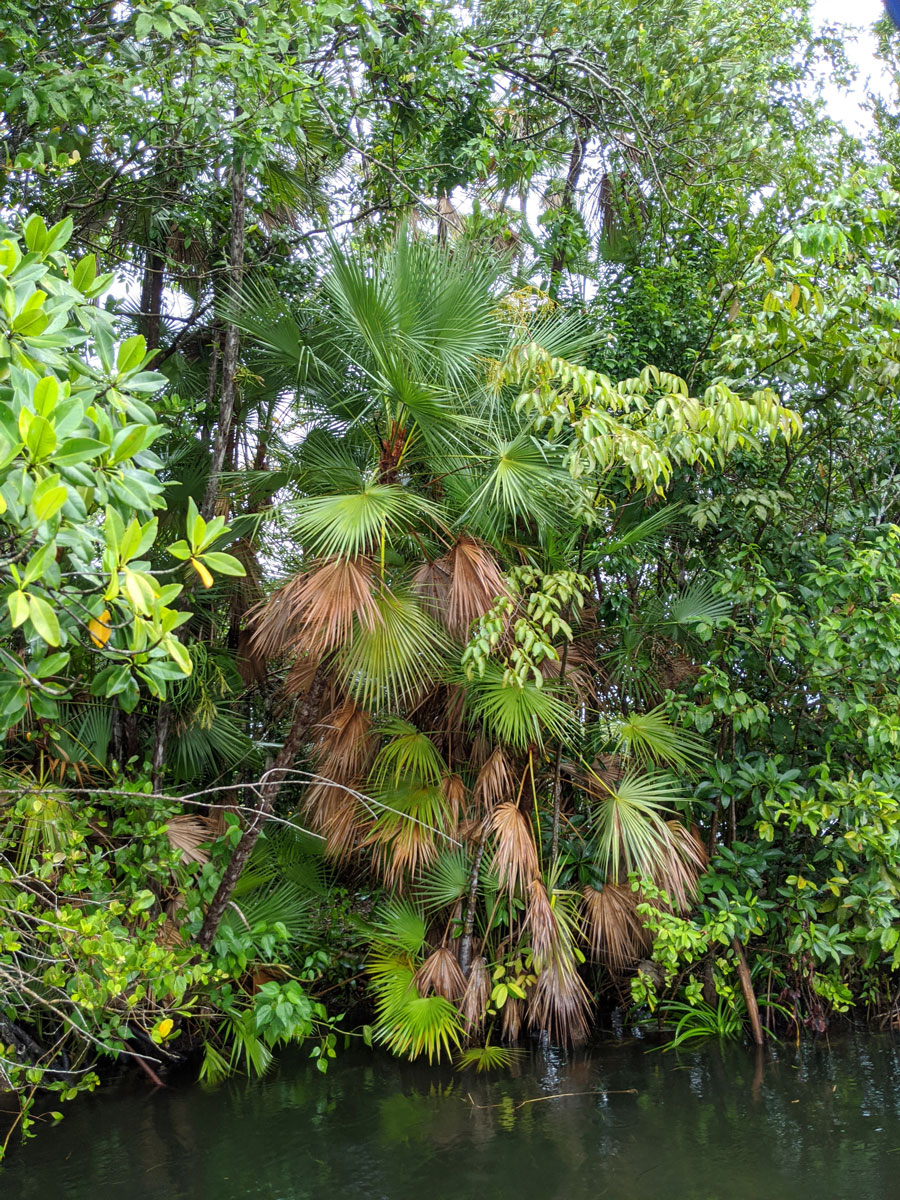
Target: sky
<point x="860" y="49"/>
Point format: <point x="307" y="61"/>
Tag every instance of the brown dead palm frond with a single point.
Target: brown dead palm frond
<point x="188" y="833"/>
<point x="431" y="583"/>
<point x="513" y="1012"/>
<point x="614" y="929"/>
<point x="681" y="867"/>
<point x="455" y="795"/>
<point x="343" y="756"/>
<point x="515" y="861"/>
<point x="495" y="782"/>
<point x="299" y="678"/>
<point x="477" y="995"/>
<point x="558" y="1003"/>
<point x="346" y="744"/>
<point x="440" y="975"/>
<point x="336" y="814"/>
<point x="540" y="921"/>
<point x="476" y="582"/>
<point x="409" y="829"/>
<point x="318" y="610"/>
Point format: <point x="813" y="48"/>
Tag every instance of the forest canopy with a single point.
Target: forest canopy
<point x="449" y="530"/>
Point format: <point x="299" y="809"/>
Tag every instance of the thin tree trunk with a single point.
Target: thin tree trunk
<point x="304" y="717"/>
<point x="151" y="296"/>
<point x="230" y="349"/>
<point x="465" y="945"/>
<point x="749" y="995"/>
<point x="160" y="743"/>
<point x="567" y="200"/>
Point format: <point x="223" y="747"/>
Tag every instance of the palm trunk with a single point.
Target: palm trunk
<point x="230" y="349"/>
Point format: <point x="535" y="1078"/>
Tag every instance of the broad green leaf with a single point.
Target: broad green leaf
<point x="44" y="620"/>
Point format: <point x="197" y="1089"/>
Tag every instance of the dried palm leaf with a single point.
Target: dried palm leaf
<point x="515" y="861"/>
<point x="455" y="794"/>
<point x="512" y="1013"/>
<point x="440" y="975"/>
<point x="346" y="744"/>
<point x="495" y="782"/>
<point x="559" y="1001"/>
<point x="335" y="813"/>
<point x="615" y="931"/>
<point x="540" y="921"/>
<point x="188" y="833"/>
<point x="477" y="995"/>
<point x="318" y="610"/>
<point x="476" y="583"/>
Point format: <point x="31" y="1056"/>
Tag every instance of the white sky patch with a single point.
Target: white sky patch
<point x="846" y="105"/>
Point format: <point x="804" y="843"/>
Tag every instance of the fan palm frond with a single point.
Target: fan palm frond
<point x="408" y="754"/>
<point x="518" y="715"/>
<point x="616" y="934"/>
<point x="440" y="975"/>
<point x="652" y="740"/>
<point x="447" y="879"/>
<point x="411" y="825"/>
<point x="477" y="995"/>
<point x="395" y="658"/>
<point x="316" y="611"/>
<point x="515" y="860"/>
<point x="356" y="523"/>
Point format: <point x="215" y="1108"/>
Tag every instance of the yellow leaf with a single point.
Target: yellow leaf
<point x="164" y="1028"/>
<point x="205" y="577"/>
<point x="98" y="628"/>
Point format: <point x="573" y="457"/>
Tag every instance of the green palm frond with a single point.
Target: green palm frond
<point x="260" y="908"/>
<point x="447" y="879"/>
<point x="208" y="741"/>
<point x="409" y="755"/>
<point x="518" y="716"/>
<point x="396" y="657"/>
<point x="407" y="1023"/>
<point x="698" y="604"/>
<point x="488" y="1058"/>
<point x="358" y="522"/>
<point x="653" y="741"/>
<point x="516" y="482"/>
<point x="630" y="824"/>
<point x="399" y="923"/>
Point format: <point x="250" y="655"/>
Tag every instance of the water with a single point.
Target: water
<point x="819" y="1122"/>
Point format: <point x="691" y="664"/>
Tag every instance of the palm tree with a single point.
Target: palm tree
<point x="439" y="645"/>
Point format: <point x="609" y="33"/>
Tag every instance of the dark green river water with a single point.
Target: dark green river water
<point x="819" y="1122"/>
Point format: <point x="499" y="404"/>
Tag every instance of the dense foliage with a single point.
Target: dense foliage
<point x="450" y="536"/>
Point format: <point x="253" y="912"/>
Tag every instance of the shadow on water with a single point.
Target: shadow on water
<point x="712" y="1123"/>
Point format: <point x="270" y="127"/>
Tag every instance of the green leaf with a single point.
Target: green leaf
<point x="49" y="497"/>
<point x="40" y="441"/>
<point x="131" y="354"/>
<point x="44" y="620"/>
<point x="18" y="608"/>
<point x="225" y="564"/>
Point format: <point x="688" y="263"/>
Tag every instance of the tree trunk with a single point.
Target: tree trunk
<point x="567" y="200"/>
<point x="160" y="742"/>
<point x="230" y="349"/>
<point x="749" y="995"/>
<point x="465" y="945"/>
<point x="151" y="296"/>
